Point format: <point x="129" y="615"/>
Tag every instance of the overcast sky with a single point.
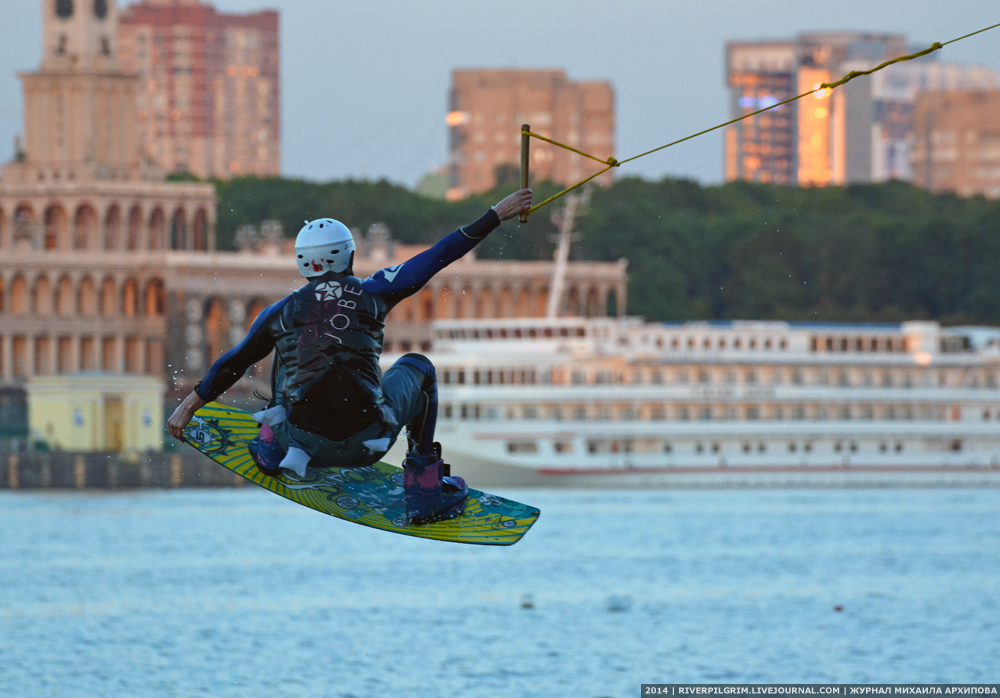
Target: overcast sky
<point x="365" y="84"/>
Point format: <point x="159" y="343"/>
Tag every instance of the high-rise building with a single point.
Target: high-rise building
<point x="859" y="132"/>
<point x="488" y="108"/>
<point x="209" y="99"/>
<point x="956" y="145"/>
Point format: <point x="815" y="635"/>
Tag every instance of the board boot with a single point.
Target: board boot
<point x="266" y="452"/>
<point x="430" y="494"/>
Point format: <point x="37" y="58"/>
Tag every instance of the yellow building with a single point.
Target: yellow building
<point x="97" y="412"/>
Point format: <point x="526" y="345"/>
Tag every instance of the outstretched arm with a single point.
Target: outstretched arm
<point x="228" y="369"/>
<point x="398" y="282"/>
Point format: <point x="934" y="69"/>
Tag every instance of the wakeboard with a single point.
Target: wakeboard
<point x="370" y="496"/>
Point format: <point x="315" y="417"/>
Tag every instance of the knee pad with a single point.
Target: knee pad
<point x="422" y="364"/>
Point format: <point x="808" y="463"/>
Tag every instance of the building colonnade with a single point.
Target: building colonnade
<point x="105" y="224"/>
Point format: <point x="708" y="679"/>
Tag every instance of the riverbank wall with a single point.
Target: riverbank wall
<point x="81" y="471"/>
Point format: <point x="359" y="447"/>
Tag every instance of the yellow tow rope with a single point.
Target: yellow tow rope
<point x="611" y="162"/>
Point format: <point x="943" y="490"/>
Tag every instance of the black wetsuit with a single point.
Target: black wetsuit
<point x="328" y="336"/>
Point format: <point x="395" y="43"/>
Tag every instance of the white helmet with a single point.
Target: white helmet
<point x="323" y="245"/>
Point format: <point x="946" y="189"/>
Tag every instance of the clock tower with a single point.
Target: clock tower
<point x="79" y="34"/>
<point x="80" y="113"/>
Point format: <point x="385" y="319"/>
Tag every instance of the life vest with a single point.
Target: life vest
<point x="330" y="325"/>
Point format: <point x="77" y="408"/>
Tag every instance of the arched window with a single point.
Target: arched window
<point x="88" y="298"/>
<point x="178" y="230"/>
<point x="157" y="229"/>
<point x="85" y="228"/>
<point x="19" y="296"/>
<point x="113" y="228"/>
<point x="109" y="298"/>
<point x="43" y="297"/>
<point x="200" y="230"/>
<point x="130" y="298"/>
<point x="156" y="299"/>
<point x="56" y="235"/>
<point x="134" y="241"/>
<point x="65" y="298"/>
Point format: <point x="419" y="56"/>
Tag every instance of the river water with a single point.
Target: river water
<point x="241" y="593"/>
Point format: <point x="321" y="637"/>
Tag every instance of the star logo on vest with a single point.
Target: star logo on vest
<point x="329" y="291"/>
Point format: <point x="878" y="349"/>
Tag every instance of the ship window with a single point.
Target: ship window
<point x="517" y="333"/>
<point x="602" y="413"/>
<point x="784" y="344"/>
<point x="564" y="446"/>
<point x="882" y="447"/>
<point x="691" y="343"/>
<point x="956" y="445"/>
<point x="751" y="377"/>
<point x="522" y="447"/>
<point x="779" y="413"/>
<point x="886" y="379"/>
<point x="761" y="447"/>
<point x="533" y="332"/>
<point x="446" y="378"/>
<point x="578" y="378"/>
<point x="845" y="412"/>
<point x="792" y="447"/>
<point x="767" y="344"/>
<point x="465" y="411"/>
<point x="753" y="342"/>
<point x="683" y="414"/>
<point x="703" y="377"/>
<point x="707" y="343"/>
<point x="737" y="343"/>
<point x="899" y="447"/>
<point x="808" y="447"/>
<point x="581" y="332"/>
<point x="503" y="333"/>
<point x="715" y="447"/>
<point x="829" y="343"/>
<point x="866" y="412"/>
<point x="843" y="379"/>
<point x="799" y="412"/>
<point x="699" y="447"/>
<point x="476" y="378"/>
<point x="854" y="447"/>
<point x="461" y="377"/>
<point x="657" y="412"/>
<point x="492" y="412"/>
<point x="753" y="412"/>
<point x="667" y="447"/>
<point x="838" y="447"/>
<point x="729" y="377"/>
<point x="580" y="412"/>
<point x="682" y="376"/>
<point x="797" y="377"/>
<point x="636" y="378"/>
<point x="746" y="448"/>
<point x="594" y="446"/>
<point x="548" y="331"/>
<point x="530" y="413"/>
<point x="626" y="413"/>
<point x="722" y="343"/>
<point x="447" y="411"/>
<point x="656" y="377"/>
<point x="705" y="414"/>
<point x="603" y="377"/>
<point x="675" y="343"/>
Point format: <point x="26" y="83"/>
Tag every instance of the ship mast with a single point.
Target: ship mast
<point x="564" y="221"/>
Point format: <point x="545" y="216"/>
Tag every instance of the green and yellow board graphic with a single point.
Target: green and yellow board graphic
<point x="370" y="496"/>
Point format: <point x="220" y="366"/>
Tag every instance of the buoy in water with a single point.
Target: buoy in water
<point x="619" y="604"/>
<point x="528" y="601"/>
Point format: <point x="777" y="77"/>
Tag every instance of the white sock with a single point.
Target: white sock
<point x="296" y="460"/>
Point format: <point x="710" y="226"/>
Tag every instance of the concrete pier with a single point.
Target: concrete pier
<point x="79" y="471"/>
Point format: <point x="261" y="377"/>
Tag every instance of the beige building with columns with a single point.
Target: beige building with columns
<point x="108" y="270"/>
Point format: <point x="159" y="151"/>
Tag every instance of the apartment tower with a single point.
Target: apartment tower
<point x="488" y="108"/>
<point x="209" y="102"/>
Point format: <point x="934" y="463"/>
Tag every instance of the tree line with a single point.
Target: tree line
<point x="867" y="252"/>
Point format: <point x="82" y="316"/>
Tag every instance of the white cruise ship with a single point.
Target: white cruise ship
<point x="621" y="402"/>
